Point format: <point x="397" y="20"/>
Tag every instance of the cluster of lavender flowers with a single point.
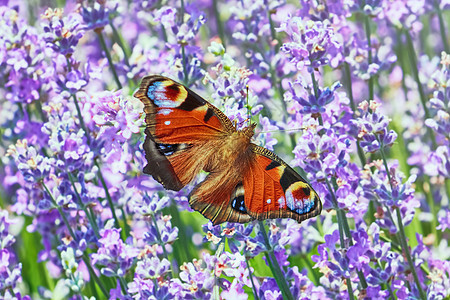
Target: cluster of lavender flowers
<point x="355" y="95"/>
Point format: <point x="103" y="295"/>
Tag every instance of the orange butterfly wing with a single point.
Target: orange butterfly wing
<point x="178" y="121"/>
<point x="177" y="115"/>
<point x="274" y="190"/>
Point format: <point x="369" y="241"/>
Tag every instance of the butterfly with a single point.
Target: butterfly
<point x="185" y="135"/>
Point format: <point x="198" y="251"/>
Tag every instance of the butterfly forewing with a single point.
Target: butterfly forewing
<point x="176" y="115"/>
<point x="178" y="122"/>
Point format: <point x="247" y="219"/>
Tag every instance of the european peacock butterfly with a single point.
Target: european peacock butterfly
<point x="185" y="134"/>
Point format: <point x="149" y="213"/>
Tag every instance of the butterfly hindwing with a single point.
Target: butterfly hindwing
<point x="220" y="199"/>
<point x="275" y="190"/>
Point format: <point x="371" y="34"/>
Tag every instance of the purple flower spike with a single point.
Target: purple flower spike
<point x="371" y="128"/>
<point x="312" y="43"/>
<point x="97" y="16"/>
<point x="113" y="254"/>
<point x="62" y="34"/>
<point x="33" y="166"/>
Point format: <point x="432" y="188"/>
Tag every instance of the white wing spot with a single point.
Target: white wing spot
<point x="167" y="122"/>
<point x="164" y="111"/>
<point x="268" y="201"/>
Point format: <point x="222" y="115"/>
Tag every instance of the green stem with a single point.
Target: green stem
<point x="123" y="285"/>
<point x="316" y="92"/>
<point x="442" y="27"/>
<point x="108" y="56"/>
<point x="80" y="117"/>
<point x="182" y="246"/>
<point x="185" y="71"/>
<point x="158" y="236"/>
<point x="348" y="79"/>
<point x="415" y="71"/>
<point x="94" y="276"/>
<point x="273" y="33"/>
<point x="311" y="270"/>
<point x="72" y="234"/>
<point x="349" y="288"/>
<point x="88" y="215"/>
<point x="219" y="24"/>
<point x="63" y="216"/>
<point x="125" y="223"/>
<point x="274" y="266"/>
<point x="386" y="167"/>
<point x="343" y="219"/>
<point x="407" y="253"/>
<point x="41" y="112"/>
<point x="402" y="235"/>
<point x="370" y="58"/>
<point x="181" y="17"/>
<point x="219" y="251"/>
<point x="108" y="197"/>
<point x="118" y="39"/>
<point x="255" y="292"/>
<point x="314" y="82"/>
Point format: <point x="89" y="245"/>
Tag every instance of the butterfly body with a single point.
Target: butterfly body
<point x="185" y="135"/>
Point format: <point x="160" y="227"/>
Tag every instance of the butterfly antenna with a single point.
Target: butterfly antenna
<point x="285" y="130"/>
<point x="248" y="109"/>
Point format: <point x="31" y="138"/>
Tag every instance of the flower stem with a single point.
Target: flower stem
<point x="219" y="24"/>
<point x="93" y="275"/>
<point x="342" y="221"/>
<point x="348" y="80"/>
<point x="370" y="58"/>
<point x="185" y="71"/>
<point x="415" y="71"/>
<point x="401" y="234"/>
<point x="123" y="285"/>
<point x="442" y="27"/>
<point x="219" y="251"/>
<point x="272" y="30"/>
<point x="274" y="266"/>
<point x="316" y="278"/>
<point x="108" y="197"/>
<point x="316" y="92"/>
<point x="119" y="40"/>
<point x="182" y="246"/>
<point x="405" y="247"/>
<point x="63" y="216"/>
<point x="255" y="292"/>
<point x="88" y="215"/>
<point x="108" y="56"/>
<point x="80" y="117"/>
<point x="158" y="235"/>
<point x="181" y="11"/>
<point x="72" y="234"/>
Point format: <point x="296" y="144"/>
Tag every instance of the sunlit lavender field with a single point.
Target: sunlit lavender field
<point x="353" y="94"/>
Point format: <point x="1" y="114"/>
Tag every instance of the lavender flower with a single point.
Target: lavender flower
<point x="312" y="44"/>
<point x="97" y="16"/>
<point x="10" y="269"/>
<point x="23" y="68"/>
<point x="62" y="35"/>
<point x="115" y="257"/>
<point x="33" y="166"/>
<point x="371" y="128"/>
